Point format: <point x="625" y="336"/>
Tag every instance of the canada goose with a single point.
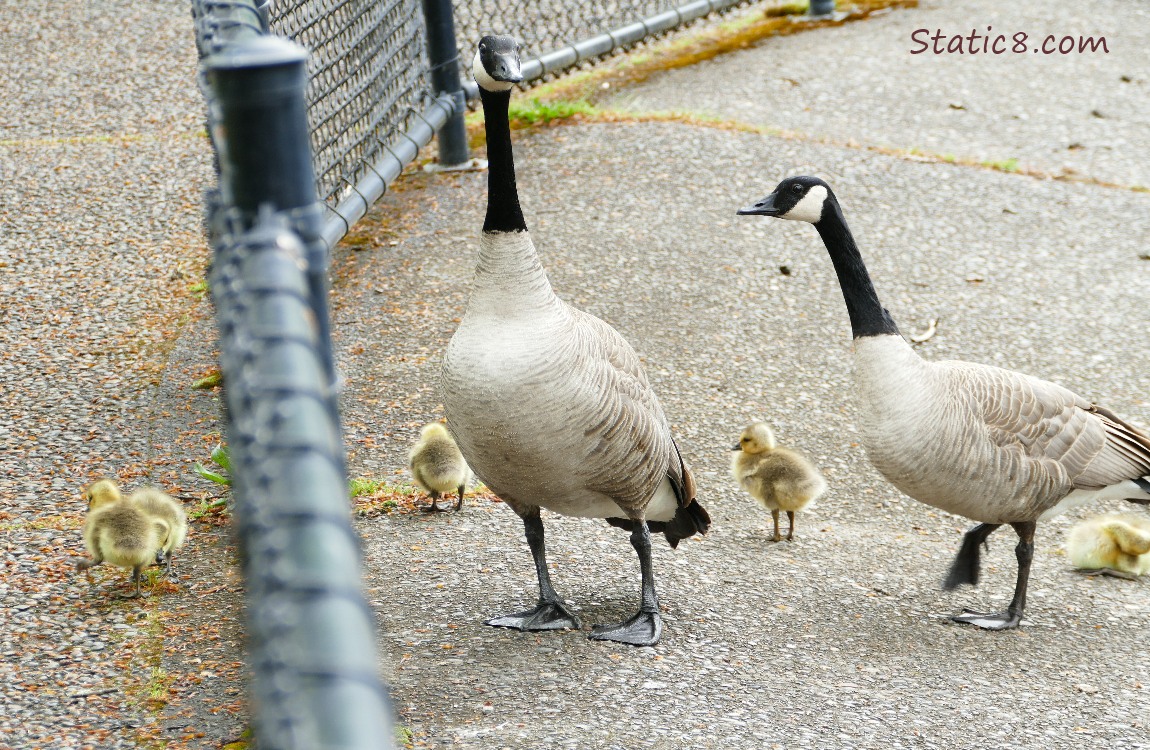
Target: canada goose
<point x="778" y="478"/>
<point x="990" y="444"/>
<point x="437" y="464"/>
<point x="117" y="531"/>
<point x="158" y="504"/>
<point x="549" y="404"/>
<point x="1116" y="544"/>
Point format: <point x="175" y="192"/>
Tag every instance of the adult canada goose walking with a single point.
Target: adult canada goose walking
<point x="550" y="405"/>
<point x="990" y="444"/>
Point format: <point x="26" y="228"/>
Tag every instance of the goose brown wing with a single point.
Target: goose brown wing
<point x="630" y="448"/>
<point x="1060" y="437"/>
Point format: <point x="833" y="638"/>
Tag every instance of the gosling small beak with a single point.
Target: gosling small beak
<point x="765" y="207"/>
<point x="507" y="67"/>
<point x="736" y="447"/>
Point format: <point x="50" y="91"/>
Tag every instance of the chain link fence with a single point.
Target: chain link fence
<point x="371" y="102"/>
<point x="296" y="172"/>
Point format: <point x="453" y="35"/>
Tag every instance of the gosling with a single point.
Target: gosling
<point x="778" y="478"/>
<point x="438" y="466"/>
<point x="118" y="532"/>
<point x="1116" y="544"/>
<point x="159" y="505"/>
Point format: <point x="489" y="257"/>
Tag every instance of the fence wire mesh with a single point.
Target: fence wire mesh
<point x="370" y="73"/>
<point x="368" y="79"/>
<point x="543" y="26"/>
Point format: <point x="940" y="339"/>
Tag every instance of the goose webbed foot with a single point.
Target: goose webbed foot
<point x="434" y="507"/>
<point x="1107" y="572"/>
<point x="547" y="615"/>
<point x="1000" y="621"/>
<point x="644" y="629"/>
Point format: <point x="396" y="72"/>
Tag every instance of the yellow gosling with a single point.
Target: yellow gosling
<point x="778" y="478"/>
<point x="437" y="465"/>
<point x="117" y="532"/>
<point x="159" y="505"/>
<point x="1115" y="544"/>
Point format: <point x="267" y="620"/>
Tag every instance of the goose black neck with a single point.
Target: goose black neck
<point x="868" y="317"/>
<point x="503" y="212"/>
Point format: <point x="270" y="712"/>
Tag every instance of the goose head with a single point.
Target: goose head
<point x="756" y="438"/>
<point x="796" y="198"/>
<point x="496" y="65"/>
<point x="433" y="430"/>
<point x="101" y="492"/>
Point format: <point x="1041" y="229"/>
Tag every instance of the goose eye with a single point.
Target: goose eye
<point x="797" y="188"/>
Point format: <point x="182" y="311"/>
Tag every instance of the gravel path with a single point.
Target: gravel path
<point x="840" y="638"/>
<point x="1077" y="115"/>
<point x="835" y="640"/>
<point x="103" y="161"/>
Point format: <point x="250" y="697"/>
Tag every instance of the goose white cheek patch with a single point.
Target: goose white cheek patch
<point x="484" y="80"/>
<point x="810" y="208"/>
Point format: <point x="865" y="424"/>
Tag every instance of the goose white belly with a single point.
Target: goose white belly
<point x="517" y="409"/>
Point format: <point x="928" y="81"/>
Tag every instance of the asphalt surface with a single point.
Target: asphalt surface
<point x="102" y="164"/>
<point x="838" y="639"/>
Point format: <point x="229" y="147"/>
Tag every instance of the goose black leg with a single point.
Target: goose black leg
<point x="550" y="613"/>
<point x="1013" y="614"/>
<point x="459" y="502"/>
<point x="966" y="564"/>
<point x="646" y="627"/>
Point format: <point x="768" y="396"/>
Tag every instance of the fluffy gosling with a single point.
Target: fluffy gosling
<point x="438" y="466"/>
<point x="160" y="505"/>
<point x="118" y="532"/>
<point x="1116" y="544"/>
<point x="778" y="478"/>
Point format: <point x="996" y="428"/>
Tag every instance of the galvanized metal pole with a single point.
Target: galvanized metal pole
<point x="820" y="8"/>
<point x="266" y="153"/>
<point x="445" y="79"/>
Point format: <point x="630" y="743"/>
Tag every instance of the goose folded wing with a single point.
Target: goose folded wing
<point x="1060" y="433"/>
<point x="629" y="445"/>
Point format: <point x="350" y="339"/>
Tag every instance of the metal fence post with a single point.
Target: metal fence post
<point x="445" y="78"/>
<point x="311" y="643"/>
<point x="266" y="153"/>
<point x="820" y="8"/>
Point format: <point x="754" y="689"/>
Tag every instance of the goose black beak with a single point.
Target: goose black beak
<point x="506" y="67"/>
<point x="765" y="207"/>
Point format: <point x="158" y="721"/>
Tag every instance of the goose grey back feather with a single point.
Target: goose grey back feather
<point x="550" y="405"/>
<point x="991" y="444"/>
